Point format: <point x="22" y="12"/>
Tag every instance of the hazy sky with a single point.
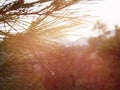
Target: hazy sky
<point x="106" y="11"/>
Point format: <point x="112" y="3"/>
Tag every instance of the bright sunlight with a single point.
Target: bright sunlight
<point x="105" y="11"/>
<point x="108" y="11"/>
<point x="59" y="45"/>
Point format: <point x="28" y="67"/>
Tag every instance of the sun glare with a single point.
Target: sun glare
<point x="106" y="11"/>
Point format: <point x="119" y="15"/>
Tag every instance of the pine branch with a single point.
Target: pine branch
<point x="5" y="33"/>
